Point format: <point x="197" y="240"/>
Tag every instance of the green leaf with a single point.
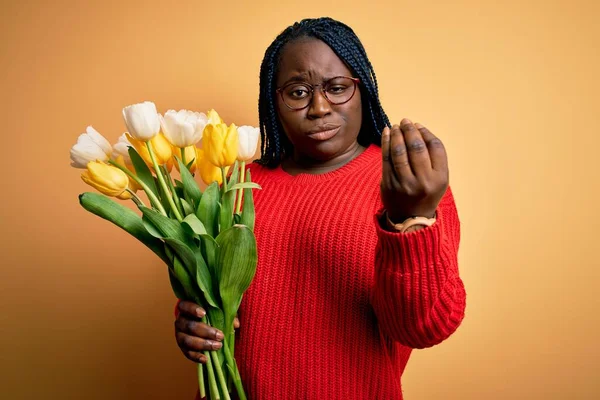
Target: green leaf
<point x="236" y="267"/>
<point x="182" y="275"/>
<point x="168" y="227"/>
<point x="185" y="254"/>
<point x="153" y="230"/>
<point x="209" y="252"/>
<point x="124" y="218"/>
<point x="176" y="285"/>
<point x="248" y="207"/>
<point x="179" y="192"/>
<point x="193" y="225"/>
<point x="142" y="170"/>
<point x="235" y="174"/>
<point x="162" y="195"/>
<point x="216" y="318"/>
<point x="190" y="187"/>
<point x="226" y="215"/>
<point x="196" y="267"/>
<point x="187" y="207"/>
<point x="205" y="281"/>
<point x="245" y="185"/>
<point x="208" y="209"/>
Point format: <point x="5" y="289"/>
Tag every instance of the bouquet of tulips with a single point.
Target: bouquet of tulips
<point x="205" y="238"/>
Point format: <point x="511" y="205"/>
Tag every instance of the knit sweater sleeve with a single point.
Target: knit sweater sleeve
<point x="418" y="296"/>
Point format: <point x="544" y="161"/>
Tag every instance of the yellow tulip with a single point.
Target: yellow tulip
<point x="214" y="118"/>
<point x="220" y="144"/>
<point x="124" y="196"/>
<point x="208" y="172"/>
<point x="133" y="185"/>
<point x="190" y="154"/>
<point x="161" y="146"/>
<point x="105" y="178"/>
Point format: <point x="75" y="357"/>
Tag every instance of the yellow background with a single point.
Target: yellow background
<point x="86" y="312"/>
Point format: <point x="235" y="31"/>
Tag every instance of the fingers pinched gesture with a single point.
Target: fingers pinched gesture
<point x="415" y="171"/>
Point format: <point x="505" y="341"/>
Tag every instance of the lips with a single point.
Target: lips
<point x="323" y="132"/>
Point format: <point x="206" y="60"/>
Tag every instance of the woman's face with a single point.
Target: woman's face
<point x="321" y="131"/>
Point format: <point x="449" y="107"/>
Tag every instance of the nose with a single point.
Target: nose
<point x="319" y="106"/>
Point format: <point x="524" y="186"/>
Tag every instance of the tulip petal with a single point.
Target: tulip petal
<point x="105" y="178"/>
<point x="182" y="128"/>
<point x="99" y="140"/>
<point x="86" y="150"/>
<point x="248" y="142"/>
<point x="142" y="120"/>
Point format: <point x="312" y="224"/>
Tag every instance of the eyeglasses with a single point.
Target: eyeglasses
<point x="298" y="95"/>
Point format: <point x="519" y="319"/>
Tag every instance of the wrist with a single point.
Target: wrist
<point x="409" y="224"/>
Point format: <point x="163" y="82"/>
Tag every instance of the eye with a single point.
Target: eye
<point x="337" y="89"/>
<point x="296" y="92"/>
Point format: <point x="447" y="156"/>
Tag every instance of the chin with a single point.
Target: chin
<point x="325" y="150"/>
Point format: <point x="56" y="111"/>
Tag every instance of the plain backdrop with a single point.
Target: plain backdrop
<point x="512" y="88"/>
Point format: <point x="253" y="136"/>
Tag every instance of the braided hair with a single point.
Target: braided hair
<point x="346" y="45"/>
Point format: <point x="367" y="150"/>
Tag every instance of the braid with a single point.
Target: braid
<point x="344" y="42"/>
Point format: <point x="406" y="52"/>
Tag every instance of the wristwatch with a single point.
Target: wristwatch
<point x="407" y="223"/>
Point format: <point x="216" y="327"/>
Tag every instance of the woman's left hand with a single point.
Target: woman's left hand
<point x="415" y="171"/>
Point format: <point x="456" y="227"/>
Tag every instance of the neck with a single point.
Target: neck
<point x="302" y="164"/>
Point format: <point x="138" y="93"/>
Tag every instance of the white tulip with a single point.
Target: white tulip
<point x="121" y="148"/>
<point x="142" y="120"/>
<point x="248" y="142"/>
<point x="183" y="128"/>
<point x="90" y="146"/>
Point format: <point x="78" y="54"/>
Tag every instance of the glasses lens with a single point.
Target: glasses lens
<point x="296" y="95"/>
<point x="339" y="90"/>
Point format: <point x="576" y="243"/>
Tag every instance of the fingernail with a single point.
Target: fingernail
<point x="216" y="345"/>
<point x="418" y="125"/>
<point x="405" y="121"/>
<point x="200" y="312"/>
<point x="219" y="335"/>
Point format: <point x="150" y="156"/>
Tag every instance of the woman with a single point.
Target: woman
<point x="357" y="243"/>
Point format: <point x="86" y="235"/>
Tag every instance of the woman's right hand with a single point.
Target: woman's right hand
<point x="193" y="336"/>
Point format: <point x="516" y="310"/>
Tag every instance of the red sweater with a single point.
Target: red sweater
<point x="337" y="302"/>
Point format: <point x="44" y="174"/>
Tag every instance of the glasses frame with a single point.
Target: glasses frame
<point x="312" y="91"/>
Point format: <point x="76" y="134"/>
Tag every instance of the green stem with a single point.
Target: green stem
<point x="220" y="375"/>
<point x="183" y="156"/>
<point x="224" y="181"/>
<point x="153" y="199"/>
<point x="232" y="351"/>
<point x="212" y="382"/>
<point x="161" y="180"/>
<point x="217" y="366"/>
<point x="138" y="202"/>
<point x="241" y="191"/>
<point x="236" y="378"/>
<point x="172" y="188"/>
<point x="201" y="387"/>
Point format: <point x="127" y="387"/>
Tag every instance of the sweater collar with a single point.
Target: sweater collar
<point x="364" y="160"/>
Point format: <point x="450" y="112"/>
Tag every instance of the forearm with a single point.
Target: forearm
<point x="418" y="295"/>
